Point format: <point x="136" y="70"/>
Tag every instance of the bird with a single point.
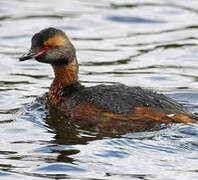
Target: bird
<point x="103" y="108"/>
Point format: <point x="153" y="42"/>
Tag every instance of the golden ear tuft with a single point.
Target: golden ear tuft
<point x="56" y="40"/>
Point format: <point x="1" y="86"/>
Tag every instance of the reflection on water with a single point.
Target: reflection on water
<point x="151" y="44"/>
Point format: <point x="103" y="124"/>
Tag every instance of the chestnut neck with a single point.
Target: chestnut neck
<point x="65" y="76"/>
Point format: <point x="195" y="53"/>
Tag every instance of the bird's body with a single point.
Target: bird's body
<point x="116" y="108"/>
<point x="119" y="108"/>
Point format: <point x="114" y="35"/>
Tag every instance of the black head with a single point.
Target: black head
<point x="51" y="46"/>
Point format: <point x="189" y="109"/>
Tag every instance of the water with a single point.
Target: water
<point x="147" y="43"/>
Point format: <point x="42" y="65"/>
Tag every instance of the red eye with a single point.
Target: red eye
<point x="46" y="47"/>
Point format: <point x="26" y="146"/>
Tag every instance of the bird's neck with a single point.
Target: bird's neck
<point x="65" y="76"/>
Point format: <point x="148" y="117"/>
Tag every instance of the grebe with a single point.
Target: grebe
<point x="105" y="108"/>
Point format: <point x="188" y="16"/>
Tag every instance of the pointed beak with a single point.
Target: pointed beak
<point x="27" y="56"/>
<point x="31" y="55"/>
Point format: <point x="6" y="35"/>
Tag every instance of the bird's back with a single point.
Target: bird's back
<point x="121" y="99"/>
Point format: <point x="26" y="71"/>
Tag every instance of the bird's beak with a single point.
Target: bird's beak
<point x="31" y="54"/>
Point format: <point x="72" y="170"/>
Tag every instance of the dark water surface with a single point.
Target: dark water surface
<point x="147" y="43"/>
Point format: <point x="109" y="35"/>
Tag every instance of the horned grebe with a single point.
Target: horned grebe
<point x="105" y="108"/>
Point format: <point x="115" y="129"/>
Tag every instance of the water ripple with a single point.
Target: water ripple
<point x="125" y="19"/>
